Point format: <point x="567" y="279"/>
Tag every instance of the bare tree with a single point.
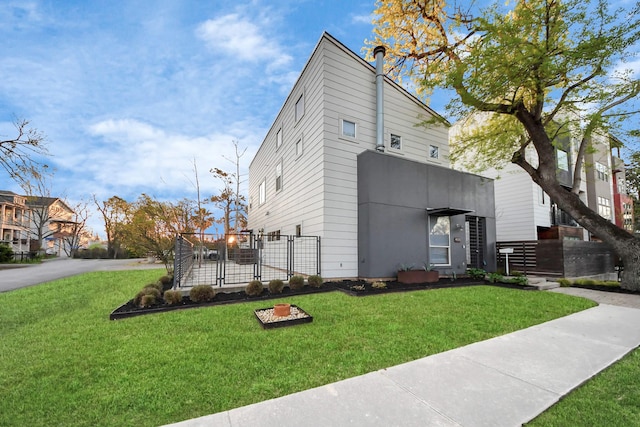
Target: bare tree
<point x="236" y="178"/>
<point x="77" y="229"/>
<point x="18" y="155"/>
<point x="37" y="188"/>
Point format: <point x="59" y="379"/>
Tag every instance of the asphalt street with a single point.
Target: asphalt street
<point x="15" y="276"/>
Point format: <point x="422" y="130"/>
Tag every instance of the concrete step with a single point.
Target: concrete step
<point x="545" y="286"/>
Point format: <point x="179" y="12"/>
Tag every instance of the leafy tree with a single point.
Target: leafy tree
<point x="151" y="226"/>
<point x="526" y="72"/>
<point x="18" y="155"/>
<point x="114" y="212"/>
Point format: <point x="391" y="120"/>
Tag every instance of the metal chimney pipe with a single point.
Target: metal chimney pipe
<point x="378" y="53"/>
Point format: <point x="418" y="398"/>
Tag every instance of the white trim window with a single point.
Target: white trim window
<point x="262" y="192"/>
<point x="279" y="176"/>
<point x="299" y="108"/>
<point x="563" y="160"/>
<point x="602" y="172"/>
<point x="348" y="128"/>
<point x="434" y="151"/>
<point x="395" y="141"/>
<point x="279" y="138"/>
<point x="604" y="207"/>
<point x="299" y="147"/>
<point x="439" y="240"/>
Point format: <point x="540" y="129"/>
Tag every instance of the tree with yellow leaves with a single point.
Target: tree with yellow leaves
<point x="527" y="75"/>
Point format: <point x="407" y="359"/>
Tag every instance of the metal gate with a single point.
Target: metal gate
<point x="475" y="241"/>
<point x="234" y="259"/>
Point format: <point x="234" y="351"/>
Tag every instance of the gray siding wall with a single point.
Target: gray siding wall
<point x="393" y="195"/>
<point x="320" y="187"/>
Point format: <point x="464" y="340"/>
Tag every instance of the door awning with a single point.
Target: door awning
<point x="448" y="211"/>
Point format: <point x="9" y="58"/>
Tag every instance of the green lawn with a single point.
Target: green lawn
<point x="611" y="398"/>
<point x="65" y="363"/>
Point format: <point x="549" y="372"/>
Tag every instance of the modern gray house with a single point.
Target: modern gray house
<point x="347" y="159"/>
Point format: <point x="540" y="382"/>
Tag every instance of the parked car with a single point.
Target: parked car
<point x="207" y="253"/>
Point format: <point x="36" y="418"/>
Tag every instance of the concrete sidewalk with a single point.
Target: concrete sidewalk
<point x="504" y="381"/>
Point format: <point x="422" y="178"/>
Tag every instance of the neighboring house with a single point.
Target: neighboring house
<point x="346" y="159"/>
<point x="14" y="221"/>
<point x="599" y="177"/>
<point x="547" y="240"/>
<point x="51" y="224"/>
<point x="622" y="201"/>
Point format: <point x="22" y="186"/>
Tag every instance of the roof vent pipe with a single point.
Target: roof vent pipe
<point x="378" y="53"/>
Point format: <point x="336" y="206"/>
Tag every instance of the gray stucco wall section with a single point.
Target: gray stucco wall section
<point x="393" y="195"/>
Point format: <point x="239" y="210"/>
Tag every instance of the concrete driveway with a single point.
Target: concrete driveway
<point x="22" y="275"/>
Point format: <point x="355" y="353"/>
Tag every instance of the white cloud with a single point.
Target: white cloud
<point x="138" y="156"/>
<point x="623" y="67"/>
<point x="361" y="19"/>
<point x="243" y="39"/>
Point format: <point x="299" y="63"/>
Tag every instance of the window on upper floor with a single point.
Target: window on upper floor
<point x="434" y="152"/>
<point x="563" y="160"/>
<point x="262" y="192"/>
<point x="299" y="110"/>
<point x="279" y="176"/>
<point x="395" y="142"/>
<point x="348" y="128"/>
<point x="279" y="138"/>
<point x="602" y="172"/>
<point x="604" y="207"/>
<point x="299" y="148"/>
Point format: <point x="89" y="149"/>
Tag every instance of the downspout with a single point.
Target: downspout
<point x="378" y="53"/>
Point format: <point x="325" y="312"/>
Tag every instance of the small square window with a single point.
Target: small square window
<point x="433" y="151"/>
<point x="348" y="129"/>
<point x="299" y="111"/>
<point x="278" y="138"/>
<point x="396" y="142"/>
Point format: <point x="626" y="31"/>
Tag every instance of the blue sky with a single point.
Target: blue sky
<point x="128" y="93"/>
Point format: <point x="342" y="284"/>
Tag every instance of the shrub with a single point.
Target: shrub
<point x="173" y="297"/>
<point x="495" y="277"/>
<point x="276" y="286"/>
<point x="147" y="290"/>
<point x="379" y="285"/>
<point x="148" y="300"/>
<point x="296" y="282"/>
<point x="202" y="293"/>
<point x="564" y="282"/>
<point x="166" y="280"/>
<point x="254" y="288"/>
<point x="6" y="253"/>
<point x="156" y="285"/>
<point x="315" y="281"/>
<point x="476" y="273"/>
<point x="585" y="282"/>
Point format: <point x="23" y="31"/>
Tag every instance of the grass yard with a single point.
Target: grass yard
<point x="65" y="363"/>
<point x="611" y="398"/>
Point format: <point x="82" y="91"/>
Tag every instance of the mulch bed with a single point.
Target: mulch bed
<point x="357" y="288"/>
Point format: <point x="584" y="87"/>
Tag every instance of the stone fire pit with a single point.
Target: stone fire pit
<point x="268" y="318"/>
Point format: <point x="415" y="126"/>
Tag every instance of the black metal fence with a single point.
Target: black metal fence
<point x="239" y="258"/>
<point x="183" y="260"/>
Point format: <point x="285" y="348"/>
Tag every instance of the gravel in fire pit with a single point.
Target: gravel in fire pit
<point x="268" y="320"/>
